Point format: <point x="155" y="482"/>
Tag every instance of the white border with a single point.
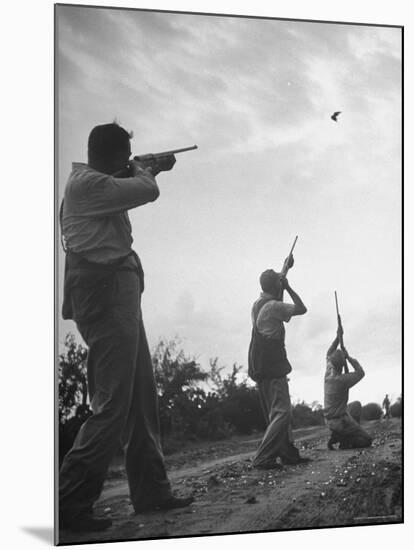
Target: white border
<point x="27" y="266"/>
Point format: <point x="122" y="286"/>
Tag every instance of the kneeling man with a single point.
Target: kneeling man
<point x="344" y="430"/>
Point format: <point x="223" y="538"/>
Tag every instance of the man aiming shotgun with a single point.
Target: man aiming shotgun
<point x="338" y="380"/>
<point x="103" y="284"/>
<point x="269" y="366"/>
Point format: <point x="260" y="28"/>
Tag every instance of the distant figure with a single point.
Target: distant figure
<point x="334" y="117"/>
<point x="344" y="429"/>
<point x="269" y="366"/>
<point x="386" y="406"/>
<point x="355" y="410"/>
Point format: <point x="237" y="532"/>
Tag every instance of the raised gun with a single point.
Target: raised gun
<point x="286" y="267"/>
<point x="341" y="339"/>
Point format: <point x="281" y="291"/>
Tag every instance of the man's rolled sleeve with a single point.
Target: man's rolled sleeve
<point x="133" y="191"/>
<point x="100" y="194"/>
<point x="285" y="311"/>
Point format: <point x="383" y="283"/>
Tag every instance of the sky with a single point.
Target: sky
<point x="256" y="96"/>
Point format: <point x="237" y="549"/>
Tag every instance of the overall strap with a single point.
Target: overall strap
<point x="62" y="238"/>
<point x="262" y="303"/>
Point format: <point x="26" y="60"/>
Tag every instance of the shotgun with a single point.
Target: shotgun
<point x="161" y="161"/>
<point x="341" y="339"/>
<point x="150" y="159"/>
<point x="286" y="267"/>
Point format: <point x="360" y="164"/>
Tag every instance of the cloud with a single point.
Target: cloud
<point x="256" y="96"/>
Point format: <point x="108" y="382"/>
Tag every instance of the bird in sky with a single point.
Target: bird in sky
<point x="335" y="115"/>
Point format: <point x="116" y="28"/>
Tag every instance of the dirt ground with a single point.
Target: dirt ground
<point x="352" y="487"/>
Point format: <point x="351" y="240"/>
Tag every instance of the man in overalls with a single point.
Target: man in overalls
<point x="269" y="367"/>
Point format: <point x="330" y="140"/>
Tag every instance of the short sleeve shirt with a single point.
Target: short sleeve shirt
<point x="95" y="220"/>
<point x="271" y="317"/>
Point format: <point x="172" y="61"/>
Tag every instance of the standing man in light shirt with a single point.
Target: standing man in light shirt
<point x="269" y="366"/>
<point x="103" y="284"/>
<point x="344" y="429"/>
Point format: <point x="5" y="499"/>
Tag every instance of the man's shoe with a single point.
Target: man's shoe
<point x="84" y="523"/>
<point x="270" y="465"/>
<point x="166" y="504"/>
<point x="294" y="461"/>
<point x="332" y="441"/>
<point x="175" y="502"/>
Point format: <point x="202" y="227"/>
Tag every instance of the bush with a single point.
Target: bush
<point x="72" y="376"/>
<point x="304" y="415"/>
<point x="371" y="411"/>
<point x="237" y="403"/>
<point x="355" y="409"/>
<point x="396" y="408"/>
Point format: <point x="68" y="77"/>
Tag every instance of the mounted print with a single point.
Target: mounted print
<point x="228" y="274"/>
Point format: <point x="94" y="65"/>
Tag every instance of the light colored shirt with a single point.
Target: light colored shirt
<point x="336" y="388"/>
<point x="95" y="221"/>
<point x="271" y="316"/>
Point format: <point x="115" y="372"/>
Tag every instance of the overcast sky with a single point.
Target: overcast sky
<point x="256" y="97"/>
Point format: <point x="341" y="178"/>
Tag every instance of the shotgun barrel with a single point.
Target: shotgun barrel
<point x="336" y="303"/>
<point x="165" y="153"/>
<point x="341" y="339"/>
<point x="293" y="245"/>
<point x="285" y="268"/>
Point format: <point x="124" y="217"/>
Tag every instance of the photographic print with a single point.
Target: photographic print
<point x="228" y="274"/>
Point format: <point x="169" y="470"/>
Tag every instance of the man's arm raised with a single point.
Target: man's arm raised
<point x="300" y="308"/>
<point x="336" y="342"/>
<point x="359" y="373"/>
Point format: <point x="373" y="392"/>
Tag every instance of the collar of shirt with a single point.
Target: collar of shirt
<point x="268" y="296"/>
<point x="76" y="166"/>
<point x="330" y="369"/>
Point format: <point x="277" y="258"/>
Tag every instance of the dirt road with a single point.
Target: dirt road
<point x="336" y="488"/>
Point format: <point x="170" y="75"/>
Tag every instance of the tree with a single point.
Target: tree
<point x="73" y="386"/>
<point x="181" y="399"/>
<point x="238" y="404"/>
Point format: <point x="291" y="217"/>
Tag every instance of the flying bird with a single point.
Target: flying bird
<point x="335" y="115"/>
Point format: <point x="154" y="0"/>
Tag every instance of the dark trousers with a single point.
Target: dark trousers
<point x="348" y="433"/>
<point x="276" y="405"/>
<point x="125" y="407"/>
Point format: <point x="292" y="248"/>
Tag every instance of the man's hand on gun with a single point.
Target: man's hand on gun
<point x="154" y="164"/>
<point x="287" y="264"/>
<point x="284" y="283"/>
